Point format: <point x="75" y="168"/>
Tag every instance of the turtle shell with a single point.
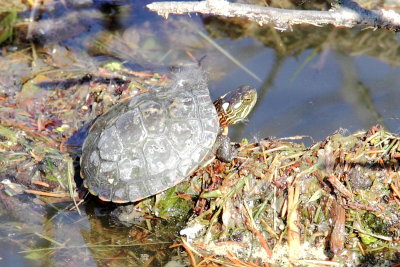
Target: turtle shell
<point x="152" y="141"/>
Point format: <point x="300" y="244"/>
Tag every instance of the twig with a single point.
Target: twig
<point x="293" y="233"/>
<point x="347" y="14"/>
<point x="228" y="55"/>
<point x="47" y="194"/>
<point x="338" y="217"/>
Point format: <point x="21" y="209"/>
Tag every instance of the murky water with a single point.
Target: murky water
<point x="335" y="82"/>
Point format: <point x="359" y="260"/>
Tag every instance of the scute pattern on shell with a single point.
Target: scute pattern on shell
<point x="151" y="142"/>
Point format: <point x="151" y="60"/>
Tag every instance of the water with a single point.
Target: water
<point x="333" y="82"/>
<point x="350" y="92"/>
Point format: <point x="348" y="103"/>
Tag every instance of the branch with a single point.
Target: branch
<point x="348" y="14"/>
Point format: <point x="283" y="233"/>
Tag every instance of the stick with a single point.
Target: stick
<point x="348" y="14"/>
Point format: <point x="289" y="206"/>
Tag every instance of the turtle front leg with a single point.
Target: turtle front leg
<point x="224" y="152"/>
<point x="222" y="146"/>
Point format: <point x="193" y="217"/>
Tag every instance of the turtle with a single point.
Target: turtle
<point x="152" y="141"/>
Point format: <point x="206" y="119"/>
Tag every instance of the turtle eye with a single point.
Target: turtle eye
<point x="247" y="99"/>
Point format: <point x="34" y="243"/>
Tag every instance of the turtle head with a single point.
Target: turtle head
<point x="235" y="105"/>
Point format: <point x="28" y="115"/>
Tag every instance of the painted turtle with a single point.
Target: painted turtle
<point x="153" y="141"/>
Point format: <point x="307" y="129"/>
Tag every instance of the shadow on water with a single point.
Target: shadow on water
<point x="311" y="81"/>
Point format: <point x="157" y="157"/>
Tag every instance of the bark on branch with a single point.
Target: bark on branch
<point x="348" y="14"/>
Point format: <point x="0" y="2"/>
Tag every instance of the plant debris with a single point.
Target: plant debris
<point x="334" y="203"/>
